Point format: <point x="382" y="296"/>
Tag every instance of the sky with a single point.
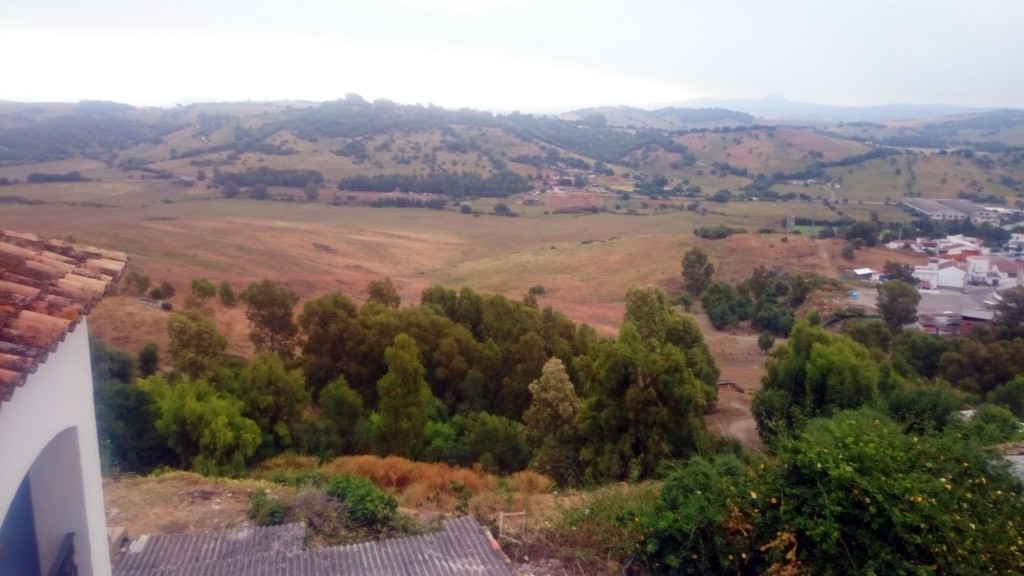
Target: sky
<point x="505" y="55"/>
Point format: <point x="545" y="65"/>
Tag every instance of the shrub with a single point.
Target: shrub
<point x="368" y="505"/>
<point x="530" y="482"/>
<point x="601" y="532"/>
<point x="266" y="509"/>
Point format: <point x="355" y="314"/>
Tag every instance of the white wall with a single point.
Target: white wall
<point x="40" y="429"/>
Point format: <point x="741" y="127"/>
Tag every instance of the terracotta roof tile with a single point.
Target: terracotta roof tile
<point x="46" y="286"/>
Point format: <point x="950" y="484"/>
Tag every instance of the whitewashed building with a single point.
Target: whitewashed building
<point x="940" y="273"/>
<point x="51" y="496"/>
<point x="998" y="272"/>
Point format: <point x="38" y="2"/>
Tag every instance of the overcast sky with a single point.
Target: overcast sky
<point x="528" y="55"/>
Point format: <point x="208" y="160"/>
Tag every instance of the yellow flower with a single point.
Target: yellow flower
<point x="753" y="495"/>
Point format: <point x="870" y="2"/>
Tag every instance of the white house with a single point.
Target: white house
<point x="51" y="497"/>
<point x="999" y="272"/>
<point x="940" y="273"/>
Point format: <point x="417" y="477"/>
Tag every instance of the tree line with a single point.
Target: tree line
<point x="461" y="378"/>
<point x="265" y="176"/>
<point x="458" y="185"/>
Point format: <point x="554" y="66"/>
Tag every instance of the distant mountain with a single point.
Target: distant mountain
<point x="779" y="108"/>
<point x="669" y="118"/>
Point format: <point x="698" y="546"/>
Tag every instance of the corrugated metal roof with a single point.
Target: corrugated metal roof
<point x="46" y="287"/>
<point x="461" y="548"/>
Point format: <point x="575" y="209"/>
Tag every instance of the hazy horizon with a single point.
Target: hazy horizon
<point x="506" y="55"/>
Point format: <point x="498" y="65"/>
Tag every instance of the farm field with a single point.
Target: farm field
<point x="585" y="262"/>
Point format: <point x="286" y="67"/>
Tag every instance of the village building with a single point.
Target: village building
<point x="953" y="209"/>
<point x="954" y="246"/>
<point x="998" y="272"/>
<point x="51" y="495"/>
<point x="970" y="317"/>
<point x="940" y="273"/>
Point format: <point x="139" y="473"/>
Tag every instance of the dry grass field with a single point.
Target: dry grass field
<point x="585" y="262"/>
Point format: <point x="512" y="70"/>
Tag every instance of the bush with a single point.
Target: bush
<point x="537" y="290"/>
<point x="267" y="510"/>
<point x="368" y="505"/>
<point x="601" y="532"/>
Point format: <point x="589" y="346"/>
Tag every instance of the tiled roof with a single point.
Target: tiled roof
<point x="461" y="548"/>
<point x="46" y="287"/>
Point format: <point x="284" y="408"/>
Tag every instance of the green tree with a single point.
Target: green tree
<point x="765" y="341"/>
<point x="274" y="397"/>
<point x="701" y="521"/>
<point x="148" y="359"/>
<point x="494" y="442"/>
<point x="1010" y="396"/>
<point x="196" y="346"/>
<point x="135" y="283"/>
<point x="697" y="271"/>
<point x="1010" y="312"/>
<point x="226" y="294"/>
<point x="523" y="362"/>
<point x="404" y="400"/>
<point x="552" y="424"/>
<point x="343" y="407"/>
<point x="269" y="309"/>
<point x="643" y="406"/>
<point x="980" y="367"/>
<point x="312" y="193"/>
<point x="923" y="408"/>
<point x="167" y="289"/>
<point x="126" y="425"/>
<point x="203" y="289"/>
<point x="204" y="427"/>
<point x="862" y="497"/>
<point x="863" y="230"/>
<point x="383" y="292"/>
<point x="915" y="353"/>
<point x="648" y="309"/>
<point x="896" y="271"/>
<point x="897" y="303"/>
<point x="722" y="305"/>
<point x="871" y="333"/>
<point x="332" y="336"/>
<point x="814" y="373"/>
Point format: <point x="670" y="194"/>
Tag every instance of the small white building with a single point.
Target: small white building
<point x="940" y="273"/>
<point x="51" y="494"/>
<point x="998" y="272"/>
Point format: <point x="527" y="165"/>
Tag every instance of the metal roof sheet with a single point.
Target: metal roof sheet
<point x="461" y="548"/>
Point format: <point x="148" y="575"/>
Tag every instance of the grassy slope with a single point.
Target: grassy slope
<point x="585" y="262"/>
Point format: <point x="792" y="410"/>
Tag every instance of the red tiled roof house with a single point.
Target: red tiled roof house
<point x="51" y="498"/>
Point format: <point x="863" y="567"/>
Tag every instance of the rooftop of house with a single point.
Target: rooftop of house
<point x="46" y="287"/>
<point x="461" y="547"/>
<point x="935" y="205"/>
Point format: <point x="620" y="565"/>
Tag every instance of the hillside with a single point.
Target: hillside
<point x="359" y="145"/>
<point x="161" y="184"/>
